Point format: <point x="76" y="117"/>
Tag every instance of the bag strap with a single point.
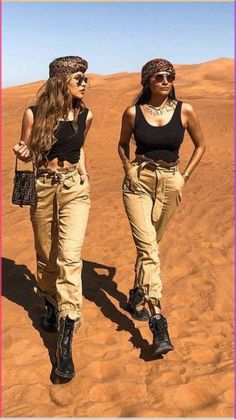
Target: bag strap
<point x="33" y="165"/>
<point x="16" y="164"/>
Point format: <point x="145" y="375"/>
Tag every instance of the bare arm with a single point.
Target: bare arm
<point x="21" y="149"/>
<point x="125" y="136"/>
<point x="192" y="124"/>
<point x="82" y="162"/>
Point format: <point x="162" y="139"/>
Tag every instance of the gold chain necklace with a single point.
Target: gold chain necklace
<point x="159" y="110"/>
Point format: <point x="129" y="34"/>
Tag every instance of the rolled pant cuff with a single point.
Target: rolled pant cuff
<point x="153" y="300"/>
<point x="73" y="315"/>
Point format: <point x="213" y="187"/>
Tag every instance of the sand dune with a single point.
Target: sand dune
<point x="116" y="375"/>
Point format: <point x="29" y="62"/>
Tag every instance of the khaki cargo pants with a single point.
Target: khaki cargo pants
<point x="59" y="221"/>
<point x="151" y="194"/>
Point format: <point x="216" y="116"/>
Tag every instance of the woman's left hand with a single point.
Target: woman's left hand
<point x="84" y="177"/>
<point x="185" y="176"/>
<point x="22" y="151"/>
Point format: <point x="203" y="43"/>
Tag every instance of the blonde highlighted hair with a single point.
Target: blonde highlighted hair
<point x="53" y="103"/>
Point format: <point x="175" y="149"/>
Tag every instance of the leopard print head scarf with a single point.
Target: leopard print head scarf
<point x="67" y="65"/>
<point x="154" y="66"/>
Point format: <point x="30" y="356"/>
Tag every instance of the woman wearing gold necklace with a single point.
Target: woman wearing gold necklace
<point x="152" y="188"/>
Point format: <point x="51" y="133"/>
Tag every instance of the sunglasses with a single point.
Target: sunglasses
<point x="160" y="77"/>
<point x="81" y="79"/>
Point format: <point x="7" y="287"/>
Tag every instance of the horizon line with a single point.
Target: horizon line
<point x="118" y="72"/>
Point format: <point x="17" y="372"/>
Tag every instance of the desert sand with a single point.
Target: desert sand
<point x="116" y="375"/>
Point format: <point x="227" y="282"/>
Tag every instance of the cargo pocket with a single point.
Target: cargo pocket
<point x="179" y="191"/>
<point x="178" y="197"/>
<point x="130" y="182"/>
<point x="69" y="182"/>
<point x="85" y="185"/>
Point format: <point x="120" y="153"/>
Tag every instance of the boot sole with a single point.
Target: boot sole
<point x="64" y="375"/>
<point x="163" y="351"/>
<point x="138" y="318"/>
<point x="134" y="316"/>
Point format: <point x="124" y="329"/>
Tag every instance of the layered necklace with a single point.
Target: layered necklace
<point x="159" y="110"/>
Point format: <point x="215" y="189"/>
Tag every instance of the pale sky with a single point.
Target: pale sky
<point x="113" y="37"/>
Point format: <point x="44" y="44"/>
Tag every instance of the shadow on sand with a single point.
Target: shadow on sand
<point x="18" y="285"/>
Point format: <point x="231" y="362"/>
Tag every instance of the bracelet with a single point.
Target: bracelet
<point x="186" y="174"/>
<point x="84" y="174"/>
<point x="125" y="162"/>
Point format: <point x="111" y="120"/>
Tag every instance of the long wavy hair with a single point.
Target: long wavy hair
<point x="145" y="95"/>
<point x="53" y="102"/>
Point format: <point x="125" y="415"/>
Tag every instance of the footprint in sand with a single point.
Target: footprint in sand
<point x="191" y="396"/>
<point x="205" y="355"/>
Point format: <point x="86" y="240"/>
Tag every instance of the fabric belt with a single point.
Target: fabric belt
<point x="58" y="175"/>
<point x="141" y="158"/>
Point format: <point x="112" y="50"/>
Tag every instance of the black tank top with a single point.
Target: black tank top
<point x="159" y="143"/>
<point x="68" y="144"/>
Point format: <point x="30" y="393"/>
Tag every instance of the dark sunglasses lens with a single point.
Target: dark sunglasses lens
<point x="160" y="77"/>
<point x="80" y="80"/>
<point x="170" y="77"/>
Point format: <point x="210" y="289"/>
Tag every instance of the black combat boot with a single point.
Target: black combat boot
<point x="64" y="362"/>
<point x="136" y="297"/>
<point x="49" y="322"/>
<point x="161" y="340"/>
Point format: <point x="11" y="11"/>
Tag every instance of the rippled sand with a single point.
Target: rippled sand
<point x="116" y="375"/>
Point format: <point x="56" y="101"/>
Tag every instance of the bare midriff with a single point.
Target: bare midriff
<point x="57" y="164"/>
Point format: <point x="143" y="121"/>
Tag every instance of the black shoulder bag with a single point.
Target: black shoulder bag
<point x="24" y="190"/>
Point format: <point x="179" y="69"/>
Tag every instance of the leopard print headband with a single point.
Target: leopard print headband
<point x="67" y="65"/>
<point x="154" y="66"/>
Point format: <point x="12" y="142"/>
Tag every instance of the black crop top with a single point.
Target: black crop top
<point x="68" y="144"/>
<point x="159" y="143"/>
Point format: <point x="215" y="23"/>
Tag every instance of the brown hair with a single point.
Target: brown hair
<point x="53" y="102"/>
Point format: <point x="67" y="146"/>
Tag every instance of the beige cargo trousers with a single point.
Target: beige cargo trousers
<point x="59" y="221"/>
<point x="151" y="193"/>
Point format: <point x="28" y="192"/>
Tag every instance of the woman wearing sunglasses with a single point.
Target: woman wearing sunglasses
<point x="152" y="188"/>
<point x="53" y="134"/>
